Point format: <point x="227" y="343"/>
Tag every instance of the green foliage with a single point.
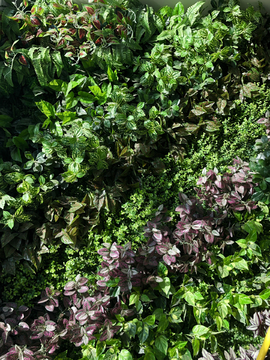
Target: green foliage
<point x="235" y="138"/>
<point x="58" y="266"/>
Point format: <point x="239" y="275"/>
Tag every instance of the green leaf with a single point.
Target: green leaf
<point x="86" y="98"/>
<point x="195" y="346"/>
<point x="163" y="323"/>
<point x="189" y="297"/>
<point x="56" y="84"/>
<point x="130" y="328"/>
<point x="252" y="225"/>
<point x="178" y="9"/>
<point x="166" y="35"/>
<point x="175" y="314"/>
<point x="150" y="320"/>
<point x="77" y="80"/>
<point x="223" y="309"/>
<point x="158" y="314"/>
<point x="57" y="61"/>
<point x="244" y="299"/>
<point x="66" y="116"/>
<point x="265" y="294"/>
<point x="219" y="322"/>
<point x="145" y="298"/>
<point x="240" y="263"/>
<point x="165" y="285"/>
<point x="71" y="101"/>
<point x="112" y="75"/>
<point x="143" y="333"/>
<point x="125" y="355"/>
<point x="200" y="330"/>
<point x="10" y="223"/>
<point x="62" y="356"/>
<point x="97" y="91"/>
<point x="161" y="344"/>
<point x="58" y="129"/>
<point x="162" y="270"/>
<point x="149" y="356"/>
<point x="193" y="12"/>
<point x="5" y="120"/>
<point x="134" y="299"/>
<point x="16" y="154"/>
<point x="46" y="108"/>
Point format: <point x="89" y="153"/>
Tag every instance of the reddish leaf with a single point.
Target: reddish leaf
<point x="34" y="21"/>
<point x="23" y="61"/>
<point x="82" y="33"/>
<point x="120" y="15"/>
<point x="90" y="10"/>
<point x="96" y="24"/>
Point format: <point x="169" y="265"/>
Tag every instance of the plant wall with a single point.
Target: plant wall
<point x="107" y="112"/>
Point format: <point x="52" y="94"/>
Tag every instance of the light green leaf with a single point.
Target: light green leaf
<point x="193" y="12"/>
<point x="195" y="346"/>
<point x="178" y="9"/>
<point x="165" y="285"/>
<point x="10" y="223"/>
<point x="189" y="297"/>
<point x="46" y="108"/>
<point x="125" y="355"/>
<point x="223" y="309"/>
<point x="77" y="80"/>
<point x="150" y="320"/>
<point x="265" y="294"/>
<point x="240" y="263"/>
<point x="200" y="330"/>
<point x="133" y="299"/>
<point x="244" y="299"/>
